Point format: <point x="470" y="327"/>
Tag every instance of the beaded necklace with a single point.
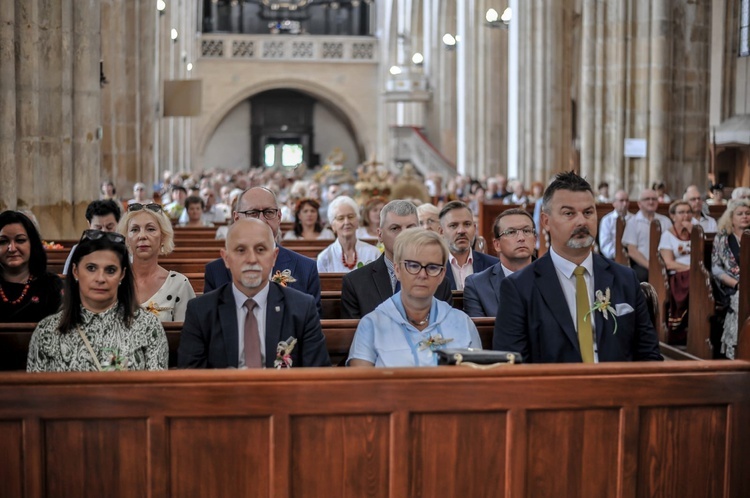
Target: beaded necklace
<point x="20" y="298"/>
<point x="343" y="259"/>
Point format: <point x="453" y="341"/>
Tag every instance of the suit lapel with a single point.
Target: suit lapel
<point x="229" y="326"/>
<point x="274" y="318"/>
<point x="497" y="277"/>
<point x="603" y="280"/>
<point x="382" y="278"/>
<point x="549" y="287"/>
<point x="283" y="261"/>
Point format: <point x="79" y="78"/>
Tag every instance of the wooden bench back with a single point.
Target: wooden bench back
<point x="657" y="276"/>
<point x="701" y="305"/>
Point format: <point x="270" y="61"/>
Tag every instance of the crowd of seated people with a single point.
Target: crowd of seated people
<point x="29" y="293"/>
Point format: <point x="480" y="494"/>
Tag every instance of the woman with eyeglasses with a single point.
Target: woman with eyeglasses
<point x="149" y="234"/>
<point x="307" y="225"/>
<point x="100" y="326"/>
<point x="407" y="329"/>
<point x="347" y="252"/>
<point x="674" y="248"/>
<point x="28" y="292"/>
<point x="725" y="267"/>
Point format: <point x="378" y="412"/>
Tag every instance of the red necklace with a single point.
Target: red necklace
<point x="343" y="260"/>
<point x="20" y="298"/>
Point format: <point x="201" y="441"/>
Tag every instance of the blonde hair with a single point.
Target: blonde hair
<point x="165" y="226"/>
<point x="417" y="238"/>
<point x="725" y="222"/>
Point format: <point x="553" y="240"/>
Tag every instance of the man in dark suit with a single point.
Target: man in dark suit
<point x="458" y="229"/>
<point x="365" y="288"/>
<point x="260" y="203"/>
<point x="563" y="308"/>
<point x="243" y="323"/>
<point x="515" y="238"/>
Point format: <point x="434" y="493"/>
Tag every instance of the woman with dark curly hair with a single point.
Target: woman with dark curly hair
<point x="101" y="326"/>
<point x="307" y="225"/>
<point x="28" y="292"/>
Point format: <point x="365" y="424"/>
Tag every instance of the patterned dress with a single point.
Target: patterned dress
<point x="170" y="301"/>
<point x="143" y="346"/>
<point x="723" y="262"/>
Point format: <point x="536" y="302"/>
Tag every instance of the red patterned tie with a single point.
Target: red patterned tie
<point x="252" y="337"/>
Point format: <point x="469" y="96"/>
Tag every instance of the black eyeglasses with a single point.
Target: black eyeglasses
<point x="98" y="234"/>
<point x="414" y="267"/>
<point x="151" y="207"/>
<point x="513" y="232"/>
<point x="268" y="214"/>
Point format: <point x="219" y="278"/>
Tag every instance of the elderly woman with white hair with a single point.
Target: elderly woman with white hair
<point x="347" y="252"/>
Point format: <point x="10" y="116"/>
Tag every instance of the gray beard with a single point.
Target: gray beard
<point x="580" y="243"/>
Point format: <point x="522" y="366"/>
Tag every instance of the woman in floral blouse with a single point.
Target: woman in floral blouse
<point x="725" y="265"/>
<point x="28" y="292"/>
<point x="101" y="326"/>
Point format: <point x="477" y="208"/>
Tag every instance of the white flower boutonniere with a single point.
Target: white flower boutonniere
<point x="604" y="305"/>
<point x="284" y="353"/>
<point x="283" y="277"/>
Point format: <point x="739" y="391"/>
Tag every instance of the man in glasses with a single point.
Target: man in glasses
<point x="260" y="203"/>
<point x="101" y="215"/>
<point x="695" y="199"/>
<point x="364" y="289"/>
<point x="638" y="232"/>
<point x="515" y="238"/>
<point x="252" y="322"/>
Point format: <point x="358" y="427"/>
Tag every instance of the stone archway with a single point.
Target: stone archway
<point x="351" y="116"/>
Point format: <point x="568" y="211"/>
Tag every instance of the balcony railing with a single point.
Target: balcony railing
<point x="349" y="49"/>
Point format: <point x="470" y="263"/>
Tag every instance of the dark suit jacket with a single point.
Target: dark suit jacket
<point x="366" y="288"/>
<point x="533" y="317"/>
<point x="303" y="269"/>
<point x="482" y="291"/>
<point x="481" y="262"/>
<point x="210" y="333"/>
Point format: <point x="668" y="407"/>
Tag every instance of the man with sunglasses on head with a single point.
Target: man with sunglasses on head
<point x="261" y="203"/>
<point x="101" y="215"/>
<point x="515" y="238"/>
<point x="365" y="288"/>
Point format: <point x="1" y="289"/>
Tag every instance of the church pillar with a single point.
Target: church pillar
<point x="50" y="95"/>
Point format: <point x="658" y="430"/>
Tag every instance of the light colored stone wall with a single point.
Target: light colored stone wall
<point x="350" y="88"/>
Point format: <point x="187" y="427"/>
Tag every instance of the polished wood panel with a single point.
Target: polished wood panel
<point x="657" y="276"/>
<point x="339" y="455"/>
<point x="92" y="458"/>
<point x="11" y="467"/>
<point x="676" y="442"/>
<point x="244" y="444"/>
<point x="440" y="442"/>
<point x="701" y="304"/>
<point x="572" y="453"/>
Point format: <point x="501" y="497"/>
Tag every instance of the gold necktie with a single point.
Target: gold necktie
<point x="585" y="333"/>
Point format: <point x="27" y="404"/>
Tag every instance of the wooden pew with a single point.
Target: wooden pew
<point x="701" y="305"/>
<point x="657" y="276"/>
<point x="743" y="317"/>
<point x="658" y="429"/>
<point x="621" y="253"/>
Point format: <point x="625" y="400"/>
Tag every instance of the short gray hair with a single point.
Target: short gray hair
<point x="418" y="238"/>
<point x="398" y="207"/>
<point x="337" y="203"/>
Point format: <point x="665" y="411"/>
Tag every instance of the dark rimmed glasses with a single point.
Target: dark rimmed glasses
<point x="269" y="214"/>
<point x="136" y="206"/>
<point x="92" y="234"/>
<point x="514" y="232"/>
<point x="414" y="267"/>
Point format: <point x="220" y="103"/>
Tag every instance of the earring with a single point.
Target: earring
<point x="76" y="280"/>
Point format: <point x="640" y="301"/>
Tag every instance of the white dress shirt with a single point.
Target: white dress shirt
<point x="261" y="301"/>
<point x="461" y="272"/>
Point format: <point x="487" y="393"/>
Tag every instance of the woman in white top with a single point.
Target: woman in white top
<point x="346" y="253"/>
<point x="149" y="233"/>
<point x="307" y="225"/>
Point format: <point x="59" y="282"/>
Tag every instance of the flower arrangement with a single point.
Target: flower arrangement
<point x="114" y="362"/>
<point x="52" y="245"/>
<point x="283" y="277"/>
<point x="603" y="304"/>
<point x="434" y="342"/>
<point x="284" y="353"/>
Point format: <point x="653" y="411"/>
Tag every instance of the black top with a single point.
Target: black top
<point x="42" y="299"/>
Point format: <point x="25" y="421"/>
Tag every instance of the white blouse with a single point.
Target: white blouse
<point x="330" y="261"/>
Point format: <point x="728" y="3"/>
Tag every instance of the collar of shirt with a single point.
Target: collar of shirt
<point x="87" y="316"/>
<point x="506" y="271"/>
<point x="567" y="267"/>
<point x="391" y="270"/>
<point x="454" y="262"/>
<point x="261" y="298"/>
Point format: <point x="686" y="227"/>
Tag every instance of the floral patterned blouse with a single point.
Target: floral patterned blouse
<point x="722" y="259"/>
<point x="143" y="346"/>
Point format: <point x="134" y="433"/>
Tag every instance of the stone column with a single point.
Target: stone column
<point x="50" y="95"/>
